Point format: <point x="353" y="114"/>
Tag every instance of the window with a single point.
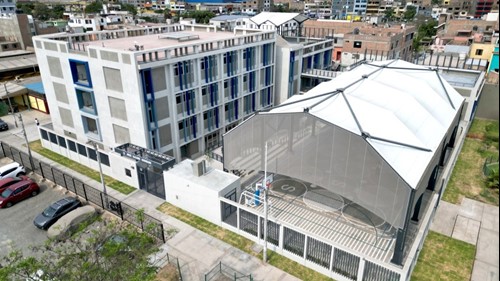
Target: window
<point x="62" y="141"/>
<point x="92" y="154"/>
<point x="80" y="73"/>
<point x="104" y="159"/>
<point x="45" y="136"/>
<point x="90" y="126"/>
<point x="72" y="145"/>
<point x="357" y="44"/>
<point x="53" y="138"/>
<point x="82" y="150"/>
<point x="86" y="101"/>
<point x="479" y="52"/>
<point x="128" y="173"/>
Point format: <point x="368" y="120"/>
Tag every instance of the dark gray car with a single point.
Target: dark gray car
<point x="3" y="126"/>
<point x="56" y="210"/>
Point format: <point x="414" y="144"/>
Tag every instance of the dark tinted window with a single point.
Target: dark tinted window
<point x="45" y="136"/>
<point x="92" y="154"/>
<point x="62" y="141"/>
<point x="72" y="145"/>
<point x="104" y="159"/>
<point x="82" y="150"/>
<point x="53" y="138"/>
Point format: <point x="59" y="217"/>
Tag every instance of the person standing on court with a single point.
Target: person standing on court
<point x="37" y="122"/>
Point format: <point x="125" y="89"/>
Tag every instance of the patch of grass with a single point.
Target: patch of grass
<point x="467" y="179"/>
<point x="242" y="243"/>
<point x="445" y="259"/>
<point x="82" y="169"/>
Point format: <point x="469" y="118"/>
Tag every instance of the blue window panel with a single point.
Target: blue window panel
<point x="86" y="101"/>
<point x="193" y="122"/>
<point x="179" y="67"/>
<point x="216" y="117"/>
<point x="316" y="61"/>
<point x="205" y="64"/>
<point x="236" y="109"/>
<point x="80" y="73"/>
<point x="253" y="101"/>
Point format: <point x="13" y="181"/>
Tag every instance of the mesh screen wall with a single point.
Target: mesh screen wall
<point x="305" y="147"/>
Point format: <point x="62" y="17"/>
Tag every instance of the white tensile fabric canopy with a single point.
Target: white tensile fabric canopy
<point x="370" y="135"/>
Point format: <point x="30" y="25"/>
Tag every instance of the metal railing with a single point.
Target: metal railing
<point x="227" y="271"/>
<point x="145" y="222"/>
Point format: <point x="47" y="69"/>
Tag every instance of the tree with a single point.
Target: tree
<point x="202" y="17"/>
<point x="389" y="14"/>
<point x="106" y="253"/>
<point x="26" y="7"/>
<point x="94" y="8"/>
<point x="410" y="13"/>
<point x="425" y="30"/>
<point x="57" y="11"/>
<point x="41" y="11"/>
<point x="167" y="13"/>
<point x="129" y="8"/>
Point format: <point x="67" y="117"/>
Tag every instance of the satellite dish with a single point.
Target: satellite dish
<point x="356" y="31"/>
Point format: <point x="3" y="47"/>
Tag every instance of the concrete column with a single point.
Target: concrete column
<point x="331" y="259"/>
<point x="280" y="243"/>
<point x="305" y="247"/>
<point x="416" y="210"/>
<point x="361" y="269"/>
<point x="238" y="218"/>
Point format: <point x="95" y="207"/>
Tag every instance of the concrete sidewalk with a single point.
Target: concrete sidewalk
<point x="475" y="223"/>
<point x="198" y="252"/>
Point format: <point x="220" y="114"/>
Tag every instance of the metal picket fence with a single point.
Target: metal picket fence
<point x="225" y="272"/>
<point x="126" y="212"/>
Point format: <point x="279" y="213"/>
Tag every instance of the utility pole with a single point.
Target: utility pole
<point x="27" y="143"/>
<point x="10" y="103"/>
<point x="264" y="255"/>
<point x="94" y="144"/>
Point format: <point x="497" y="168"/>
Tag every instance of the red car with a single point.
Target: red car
<point x="4" y="183"/>
<point x="18" y="192"/>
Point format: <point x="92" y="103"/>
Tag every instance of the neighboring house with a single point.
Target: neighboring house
<point x="380" y="41"/>
<point x="253" y="7"/>
<point x="374" y="139"/>
<point x="7" y="7"/>
<point x="464" y="31"/>
<point x="16" y="30"/>
<point x="230" y="22"/>
<point x="285" y="24"/>
<point x="482" y="51"/>
<point x="173" y="90"/>
<point x="377" y="43"/>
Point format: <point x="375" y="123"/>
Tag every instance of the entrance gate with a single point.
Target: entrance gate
<point x="150" y="166"/>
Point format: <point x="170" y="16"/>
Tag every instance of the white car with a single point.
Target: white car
<point x="13" y="169"/>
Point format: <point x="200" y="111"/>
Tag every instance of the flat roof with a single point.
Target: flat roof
<point x="156" y="41"/>
<point x="18" y="62"/>
<point x="213" y="179"/>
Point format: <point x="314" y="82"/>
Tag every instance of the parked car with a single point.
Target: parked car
<point x="56" y="210"/>
<point x="3" y="125"/>
<point x="18" y="192"/>
<point x="4" y="183"/>
<point x="13" y="169"/>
